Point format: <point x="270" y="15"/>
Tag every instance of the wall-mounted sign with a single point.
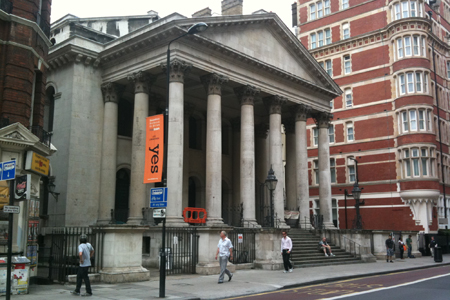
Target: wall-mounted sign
<point x="37" y="163"/>
<point x="22" y="187"/>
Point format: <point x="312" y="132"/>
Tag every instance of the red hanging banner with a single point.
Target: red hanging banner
<point x="154" y="149"/>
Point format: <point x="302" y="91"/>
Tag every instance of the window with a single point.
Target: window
<point x="345" y="31"/>
<point x="350" y="132"/>
<point x="448" y="69"/>
<point x="313" y="41"/>
<point x="416" y="40"/>
<point x="408" y="46"/>
<point x="424" y="53"/>
<point x="316" y="171"/>
<point x="327" y="36"/>
<point x="327" y="7"/>
<point x="331" y="133"/>
<point x="417" y="119"/>
<point x="416" y="82"/>
<point x="344" y="4"/>
<point x="351" y="169"/>
<point x="406" y="9"/>
<point x="348" y="98"/>
<point x="333" y="170"/>
<point x="319" y="9"/>
<point x="400" y="48"/>
<point x="328" y="67"/>
<point x="315" y="136"/>
<point x="417" y="162"/>
<point x="320" y="33"/>
<point x="332" y="104"/>
<point x="347" y="64"/>
<point x="312" y="10"/>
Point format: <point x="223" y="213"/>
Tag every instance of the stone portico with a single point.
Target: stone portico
<point x="230" y="89"/>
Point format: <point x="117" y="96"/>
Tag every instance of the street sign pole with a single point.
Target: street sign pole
<point x="162" y="267"/>
<point x="10" y="235"/>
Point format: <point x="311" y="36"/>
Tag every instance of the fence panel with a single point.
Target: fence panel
<point x="181" y="250"/>
<point x="244" y="247"/>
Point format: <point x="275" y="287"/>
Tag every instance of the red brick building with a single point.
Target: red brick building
<point x="24" y="43"/>
<point x="381" y="55"/>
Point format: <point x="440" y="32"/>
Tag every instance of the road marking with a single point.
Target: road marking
<point x="386" y="288"/>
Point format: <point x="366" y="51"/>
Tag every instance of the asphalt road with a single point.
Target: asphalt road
<point x="431" y="283"/>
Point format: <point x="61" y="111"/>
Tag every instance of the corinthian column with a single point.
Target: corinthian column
<point x="175" y="142"/>
<point x="301" y="115"/>
<point x="213" y="190"/>
<point x="246" y="96"/>
<point x="323" y="122"/>
<point x="109" y="152"/>
<point x="138" y="199"/>
<point x="276" y="154"/>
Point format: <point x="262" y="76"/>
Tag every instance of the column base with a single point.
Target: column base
<point x="212" y="268"/>
<point x="127" y="274"/>
<point x="329" y="225"/>
<point x="269" y="264"/>
<point x="282" y="224"/>
<point x="176" y="222"/>
<point x="250" y="224"/>
<point x="103" y="222"/>
<point x="134" y="221"/>
<point x="214" y="222"/>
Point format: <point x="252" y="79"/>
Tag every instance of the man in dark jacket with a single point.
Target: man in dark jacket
<point x="433" y="245"/>
<point x="389" y="249"/>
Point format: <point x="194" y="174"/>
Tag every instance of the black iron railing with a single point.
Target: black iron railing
<point x="62" y="258"/>
<point x="181" y="250"/>
<point x="44" y="136"/>
<point x="316" y="221"/>
<point x="6" y="6"/>
<point x="243" y="240"/>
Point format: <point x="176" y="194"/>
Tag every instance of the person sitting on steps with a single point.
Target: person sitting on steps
<point x="326" y="248"/>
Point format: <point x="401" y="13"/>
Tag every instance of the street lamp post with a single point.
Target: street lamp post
<point x="196" y="28"/>
<point x="356" y="193"/>
<point x="346" y="194"/>
<point x="271" y="183"/>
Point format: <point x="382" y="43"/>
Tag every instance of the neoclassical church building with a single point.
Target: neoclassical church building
<point x="231" y="89"/>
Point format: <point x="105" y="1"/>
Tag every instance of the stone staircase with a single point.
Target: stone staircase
<point x="306" y="254"/>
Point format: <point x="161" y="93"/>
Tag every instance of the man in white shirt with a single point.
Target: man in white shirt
<point x="85" y="252"/>
<point x="224" y="250"/>
<point x="286" y="248"/>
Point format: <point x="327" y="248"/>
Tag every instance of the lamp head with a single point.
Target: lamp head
<point x="51" y="187"/>
<point x="271" y="180"/>
<point x="197" y="28"/>
<point x="356" y="192"/>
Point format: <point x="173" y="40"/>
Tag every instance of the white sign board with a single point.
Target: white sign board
<point x="159" y="213"/>
<point x="240" y="238"/>
<point x="11" y="209"/>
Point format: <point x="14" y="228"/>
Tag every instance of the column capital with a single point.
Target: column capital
<point x="302" y="112"/>
<point x="323" y="119"/>
<point x="246" y="94"/>
<point x="111" y="92"/>
<point x="275" y="103"/>
<point x="178" y="69"/>
<point x="213" y="83"/>
<point x="141" y="81"/>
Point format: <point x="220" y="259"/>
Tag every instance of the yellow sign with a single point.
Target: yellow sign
<point x="4" y="196"/>
<point x="37" y="163"/>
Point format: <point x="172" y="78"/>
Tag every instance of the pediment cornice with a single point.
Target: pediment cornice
<point x="18" y="136"/>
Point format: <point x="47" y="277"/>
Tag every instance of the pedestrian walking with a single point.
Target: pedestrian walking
<point x="224" y="250"/>
<point x="286" y="248"/>
<point x="432" y="245"/>
<point x="389" y="249"/>
<point x="409" y="245"/>
<point x="401" y="247"/>
<point x="85" y="252"/>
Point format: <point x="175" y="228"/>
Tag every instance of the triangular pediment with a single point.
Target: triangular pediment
<point x="266" y="39"/>
<point x="17" y="133"/>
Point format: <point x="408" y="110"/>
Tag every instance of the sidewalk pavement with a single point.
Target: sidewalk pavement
<point x="244" y="282"/>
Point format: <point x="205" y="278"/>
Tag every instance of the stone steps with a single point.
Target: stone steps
<point x="306" y="254"/>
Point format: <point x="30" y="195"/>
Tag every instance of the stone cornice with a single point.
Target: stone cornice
<point x="72" y="54"/>
<point x="18" y="136"/>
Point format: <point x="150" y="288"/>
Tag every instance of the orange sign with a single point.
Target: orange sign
<point x="154" y="149"/>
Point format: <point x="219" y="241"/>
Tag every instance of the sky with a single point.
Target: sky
<point x="104" y="8"/>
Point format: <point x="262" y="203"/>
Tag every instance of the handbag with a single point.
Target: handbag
<point x="404" y="248"/>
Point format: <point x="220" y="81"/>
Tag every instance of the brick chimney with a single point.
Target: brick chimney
<point x="231" y="7"/>
<point x="206" y="12"/>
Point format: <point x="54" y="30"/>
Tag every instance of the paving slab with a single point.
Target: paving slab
<point x="244" y="282"/>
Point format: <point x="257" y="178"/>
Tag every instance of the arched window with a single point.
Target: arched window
<point x="410" y="46"/>
<point x="412" y="82"/>
<point x="414" y="120"/>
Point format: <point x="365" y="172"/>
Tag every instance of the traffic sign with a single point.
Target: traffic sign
<point x="8" y="170"/>
<point x="159" y="213"/>
<point x="11" y="209"/>
<point x="158" y="197"/>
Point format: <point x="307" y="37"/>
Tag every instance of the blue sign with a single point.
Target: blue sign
<point x="8" y="170"/>
<point x="158" y="197"/>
